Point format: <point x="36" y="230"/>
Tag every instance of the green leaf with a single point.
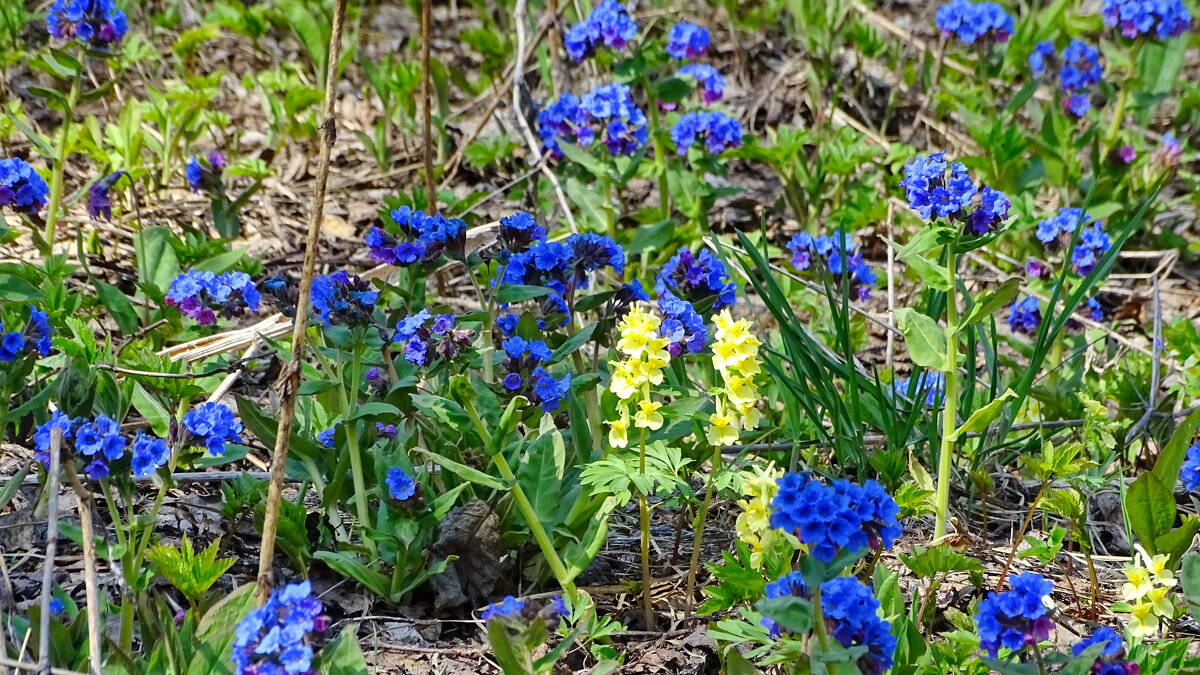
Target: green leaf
<point x="119" y="306"/>
<point x="374" y="409"/>
<point x="1169" y="463"/>
<point x="1176" y="542"/>
<point x="989" y="303"/>
<point x="224" y="262"/>
<point x="16" y="289"/>
<point x="157" y="263"/>
<point x="673" y="89"/>
<point x="583" y="158"/>
<point x="512" y="294"/>
<point x="1150" y="506"/>
<point x="349" y="567"/>
<point x="573" y="343"/>
<point x="53" y="97"/>
<point x="793" y="613"/>
<point x="925" y="339"/>
<point x="215" y="633"/>
<point x="465" y="472"/>
<point x="979" y="420"/>
<point x="929" y="562"/>
<point x="1022" y="96"/>
<point x="443" y="409"/>
<point x="1189" y="580"/>
<point x="540" y="475"/>
<point x="149" y="408"/>
<point x="929" y="272"/>
<point x="344" y="656"/>
<point x="193" y="574"/>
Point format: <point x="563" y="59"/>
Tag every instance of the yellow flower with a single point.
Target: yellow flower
<point x="1160" y="603"/>
<point x="618" y="431"/>
<point x="1139" y="583"/>
<point x="750" y="416"/>
<point x="741" y="390"/>
<point x="723" y="428"/>
<point x="1142" y="622"/>
<point x="1159" y="568"/>
<point x="647" y="416"/>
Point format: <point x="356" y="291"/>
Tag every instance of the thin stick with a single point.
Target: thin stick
<point x="92" y="604"/>
<point x="427" y="113"/>
<point x="35" y="668"/>
<point x="891" y="290"/>
<point x="52" y="485"/>
<point x="291" y="376"/>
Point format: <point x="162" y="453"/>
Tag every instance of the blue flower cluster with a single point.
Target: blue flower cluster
<point x="342" y="299"/>
<point x="427" y="338"/>
<point x="930" y="388"/>
<point x="1095" y="310"/>
<point x="1056" y="230"/>
<point x="1036" y="269"/>
<point x="564" y="266"/>
<point x="712" y="88"/>
<point x="147" y="454"/>
<point x="99" y="202"/>
<point x="609" y="25"/>
<point x="718" y="131"/>
<point x="1161" y="18"/>
<point x="518" y="609"/>
<point x="829" y="248"/>
<point x="525" y="374"/>
<point x="970" y="21"/>
<point x="687" y="41"/>
<point x="841" y="515"/>
<point x="852" y="612"/>
<point x="700" y="278"/>
<point x="100" y="443"/>
<point x="1167" y="155"/>
<point x="517" y="233"/>
<point x="277" y="638"/>
<point x="99" y="24"/>
<point x="34" y="337"/>
<point x="1017" y="618"/>
<point x="1024" y="316"/>
<point x="682" y="325"/>
<point x="205" y="175"/>
<point x="400" y="485"/>
<point x="425" y="238"/>
<point x="326" y="436"/>
<point x="1190" y="472"/>
<point x="1092" y="245"/>
<point x="936" y="188"/>
<point x="1081" y="71"/>
<point x="213" y="425"/>
<point x="607" y="113"/>
<point x="788" y="585"/>
<point x="204" y="295"/>
<point x="21" y="188"/>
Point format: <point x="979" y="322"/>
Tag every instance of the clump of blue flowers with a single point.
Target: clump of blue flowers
<point x="1092" y="245"/>
<point x="525" y="374"/>
<point x="517" y="609"/>
<point x="788" y="585"/>
<point x="204" y="174"/>
<point x="712" y="88"/>
<point x="517" y="233"/>
<point x="204" y="295"/>
<point x="278" y="637"/>
<point x="400" y="485"/>
<point x="1056" y="230"/>
<point x="1095" y="310"/>
<point x="1080" y="72"/>
<point x="700" y="278"/>
<point x="1017" y="618"/>
<point x="21" y="188"/>
<point x="426" y="338"/>
<point x="35" y="337"/>
<point x="1189" y="474"/>
<point x="564" y="266"/>
<point x="424" y="238"/>
<point x="509" y="608"/>
<point x="607" y="114"/>
<point x="343" y="299"/>
<point x="682" y="325"/>
<point x="835" y="517"/>
<point x="99" y="201"/>
<point x="98" y="24"/>
<point x="212" y="425"/>
<point x="686" y="40"/>
<point x="609" y="25"/>
<point x="805" y="248"/>
<point x="719" y="132"/>
<point x="929" y="388"/>
<point x="936" y="188"/>
<point x="1157" y="18"/>
<point x="971" y="21"/>
<point x="98" y="441"/>
<point x="147" y="454"/>
<point x="1111" y="659"/>
<point x="1024" y="316"/>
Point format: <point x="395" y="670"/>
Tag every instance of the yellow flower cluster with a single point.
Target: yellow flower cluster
<point x="753" y="524"/>
<point x="646" y="357"/>
<point x="1149" y="583"/>
<point x="735" y="356"/>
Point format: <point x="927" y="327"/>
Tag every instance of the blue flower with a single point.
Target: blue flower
<point x="853" y="614"/>
<point x="712" y="85"/>
<point x="687" y="41"/>
<point x="99" y="203"/>
<point x="682" y="325"/>
<point x="41" y="436"/>
<point x="1093" y="244"/>
<point x="1024" y="316"/>
<point x="509" y="608"/>
<point x="400" y="485"/>
<point x="343" y="299"/>
<point x="426" y="338"/>
<point x="547" y="391"/>
<point x="699" y="278"/>
<point x="277" y="638"/>
<point x="213" y="425"/>
<point x="970" y="21"/>
<point x="1095" y="310"/>
<point x="1051" y="230"/>
<point x="1167" y="155"/>
<point x="326" y="436"/>
<point x="99" y="24"/>
<point x="423" y="238"/>
<point x="385" y="430"/>
<point x="790" y="584"/>
<point x="1158" y="18"/>
<point x="1017" y="618"/>
<point x="101" y="438"/>
<point x="148" y="454"/>
<point x="1101" y="636"/>
<point x="1042" y="53"/>
<point x="718" y="130"/>
<point x="21" y="188"/>
<point x="1190" y="472"/>
<point x="609" y="25"/>
<point x="936" y="188"/>
<point x="930" y="388"/>
<point x="202" y="295"/>
<point x="839" y="516"/>
<point x="1081" y="67"/>
<point x="612" y="110"/>
<point x="518" y="232"/>
<point x="805" y="248"/>
<point x="35" y="337"/>
<point x="590" y="252"/>
<point x="56" y="606"/>
<point x="205" y="174"/>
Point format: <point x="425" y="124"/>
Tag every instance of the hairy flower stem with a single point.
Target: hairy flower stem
<point x="362" y="506"/>
<point x="945" y="463"/>
<point x="660" y="155"/>
<point x="1114" y="126"/>
<point x="701" y="517"/>
<point x="819" y="620"/>
<point x="60" y="163"/>
<point x="644" y="517"/>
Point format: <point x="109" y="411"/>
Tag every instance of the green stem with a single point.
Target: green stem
<point x="819" y="620"/>
<point x="60" y="163"/>
<point x="701" y="517"/>
<point x="126" y="631"/>
<point x="644" y="517"/>
<point x="945" y="464"/>
<point x="356" y="465"/>
<point x="610" y="209"/>
<point x="660" y="155"/>
<point x="5" y="398"/>
<point x="1114" y="126"/>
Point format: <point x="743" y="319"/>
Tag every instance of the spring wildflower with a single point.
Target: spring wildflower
<point x="1094" y="309"/>
<point x="682" y="325"/>
<point x="147" y="454"/>
<point x="1024" y="316"/>
<point x="1189" y="474"/>
<point x="342" y="299"/>
<point x="929" y="388"/>
<point x="1017" y="618"/>
<point x="400" y="485"/>
<point x="34" y="337"/>
<point x="805" y="249"/>
<point x="21" y="188"/>
<point x="97" y="441"/>
<point x="735" y="357"/>
<point x="753" y="524"/>
<point x="1103" y="635"/>
<point x="936" y="188"/>
<point x="517" y="233"/>
<point x="1111" y="658"/>
<point x="99" y="202"/>
<point x="788" y="585"/>
<point x="852" y="613"/>
<point x="564" y="266"/>
<point x="830" y="518"/>
<point x="1036" y="269"/>
<point x="1056" y="230"/>
<point x="56" y="607"/>
<point x="609" y="25"/>
<point x="1157" y="18"/>
<point x="719" y="132"/>
<point x="646" y="356"/>
<point x="422" y="239"/>
<point x="98" y="24"/>
<point x="427" y="338"/>
<point x="687" y="41"/>
<point x="971" y="21"/>
<point x="1092" y="245"/>
<point x="509" y="608"/>
<point x="1166" y="156"/>
<point x="213" y="425"/>
<point x="606" y="114"/>
<point x="204" y="295"/>
<point x="700" y="278"/>
<point x="712" y="85"/>
<point x="1149" y="580"/>
<point x="279" y="636"/>
<point x="1142" y="621"/>
<point x="526" y="375"/>
<point x="204" y="174"/>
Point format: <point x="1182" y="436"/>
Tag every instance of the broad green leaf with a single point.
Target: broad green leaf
<point x="573" y="343"/>
<point x="119" y="307"/>
<point x="374" y="409"/>
<point x="929" y="562"/>
<point x="979" y="420"/>
<point x="793" y="613"/>
<point x="510" y="294"/>
<point x="925" y="339"/>
<point x="149" y="408"/>
<point x="1169" y="463"/>
<point x="929" y="272"/>
<point x="1150" y="506"/>
<point x="344" y="656"/>
<point x="1176" y="542"/>
<point x="16" y="289"/>
<point x="215" y="633"/>
<point x="1189" y="580"/>
<point x="465" y="472"/>
<point x="989" y="303"/>
<point x="157" y="263"/>
<point x="540" y="476"/>
<point x="348" y="566"/>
